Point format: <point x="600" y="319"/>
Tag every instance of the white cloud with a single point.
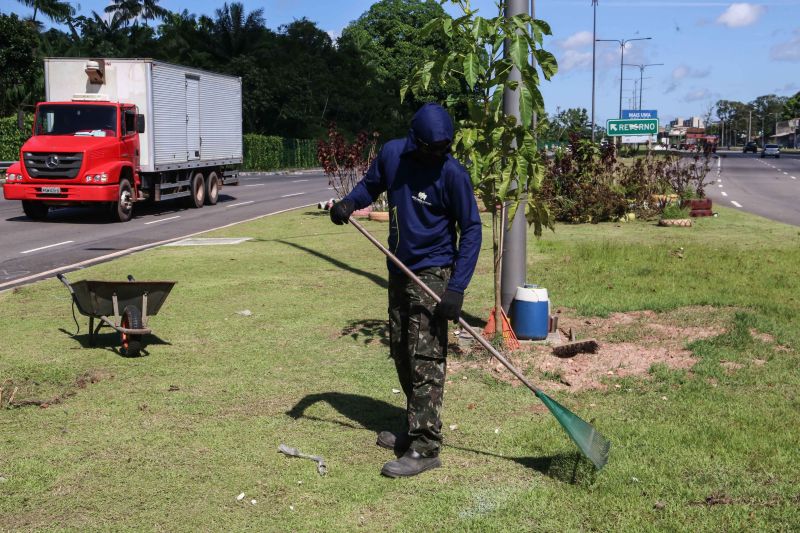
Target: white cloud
<point x="741" y="14"/>
<point x="683" y="71"/>
<point x="577" y="40"/>
<point x="788" y="51"/>
<point x="572" y="59"/>
<point x="696" y="95"/>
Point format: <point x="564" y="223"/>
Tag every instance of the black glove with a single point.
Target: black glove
<point x="449" y="307"/>
<point x="341" y="211"/>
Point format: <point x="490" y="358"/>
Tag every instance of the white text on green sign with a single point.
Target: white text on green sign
<point x="631" y="127"/>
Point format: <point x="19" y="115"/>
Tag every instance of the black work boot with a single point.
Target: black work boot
<point x="399" y="442"/>
<point x="410" y="464"/>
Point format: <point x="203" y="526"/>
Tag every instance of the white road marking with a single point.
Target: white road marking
<point x="720" y="181"/>
<point x="786" y="173"/>
<point x="724" y="193"/>
<point x="793" y="177"/>
<point x="736" y="204"/>
<point x="46" y="247"/>
<point x="161" y="220"/>
<point x="256" y="185"/>
<point x="290" y="195"/>
<point x="141" y="247"/>
<point x="720" y="185"/>
<point x="299" y="181"/>
<point x="241" y="203"/>
<point x="330" y="188"/>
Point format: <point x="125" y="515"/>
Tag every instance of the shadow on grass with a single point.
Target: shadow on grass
<point x="368" y="330"/>
<point x="111" y="341"/>
<point x="377" y="415"/>
<point x="472" y="320"/>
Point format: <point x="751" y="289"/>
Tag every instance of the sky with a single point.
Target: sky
<point x="710" y="50"/>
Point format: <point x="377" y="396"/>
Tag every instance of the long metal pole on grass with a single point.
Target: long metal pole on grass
<point x="589" y="441"/>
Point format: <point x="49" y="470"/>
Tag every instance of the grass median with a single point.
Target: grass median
<point x="170" y="439"/>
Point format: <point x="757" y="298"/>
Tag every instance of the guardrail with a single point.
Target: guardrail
<point x="5" y="164"/>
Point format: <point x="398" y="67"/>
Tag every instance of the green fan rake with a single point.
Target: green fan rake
<point x="589" y="441"/>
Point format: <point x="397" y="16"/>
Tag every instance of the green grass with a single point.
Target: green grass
<point x="309" y="369"/>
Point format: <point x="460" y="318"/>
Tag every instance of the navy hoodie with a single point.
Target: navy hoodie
<point x="427" y="202"/>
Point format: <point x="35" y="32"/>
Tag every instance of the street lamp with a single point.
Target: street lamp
<point x="641" y="76"/>
<point x="594" y="58"/>
<point x="622" y="43"/>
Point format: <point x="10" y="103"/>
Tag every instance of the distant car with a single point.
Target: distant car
<point x="750" y="147"/>
<point x="771" y="150"/>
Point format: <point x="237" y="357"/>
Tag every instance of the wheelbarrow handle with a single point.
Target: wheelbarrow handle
<point x="63" y="279"/>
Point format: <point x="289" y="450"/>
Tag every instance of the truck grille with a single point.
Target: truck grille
<point x="53" y="165"/>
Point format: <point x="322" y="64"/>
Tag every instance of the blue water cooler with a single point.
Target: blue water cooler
<point x="530" y="313"/>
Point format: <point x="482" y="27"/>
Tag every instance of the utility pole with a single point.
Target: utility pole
<point x="749" y="125"/>
<point x="514" y="253"/>
<point x="622" y="43"/>
<point x="594" y="59"/>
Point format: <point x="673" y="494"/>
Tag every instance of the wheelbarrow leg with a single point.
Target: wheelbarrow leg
<point x="91" y="331"/>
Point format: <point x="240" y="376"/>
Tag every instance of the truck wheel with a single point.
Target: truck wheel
<point x="198" y="191"/>
<point x="131" y="319"/>
<point x="122" y="209"/>
<point x="35" y="210"/>
<point x="212" y="188"/>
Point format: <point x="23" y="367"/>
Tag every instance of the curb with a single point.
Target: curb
<point x="285" y="172"/>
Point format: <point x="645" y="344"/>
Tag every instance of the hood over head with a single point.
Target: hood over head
<point x="432" y="124"/>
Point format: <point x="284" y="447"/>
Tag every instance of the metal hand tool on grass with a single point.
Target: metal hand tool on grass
<point x="589" y="441"/>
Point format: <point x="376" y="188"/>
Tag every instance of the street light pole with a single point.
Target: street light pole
<point x="622" y="43"/>
<point x="641" y="76"/>
<point x="594" y="59"/>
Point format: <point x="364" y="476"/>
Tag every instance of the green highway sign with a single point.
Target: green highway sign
<point x="619" y="127"/>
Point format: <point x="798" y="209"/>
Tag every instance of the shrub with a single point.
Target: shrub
<point x="262" y="152"/>
<point x="674" y="211"/>
<point x="11" y="138"/>
<point x="346" y="163"/>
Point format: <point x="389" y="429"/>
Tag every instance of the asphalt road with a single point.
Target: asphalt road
<point x="768" y="187"/>
<point x="74" y="237"/>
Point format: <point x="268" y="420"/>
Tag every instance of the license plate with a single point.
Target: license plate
<point x="51" y="190"/>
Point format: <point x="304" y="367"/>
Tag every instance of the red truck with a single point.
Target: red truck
<point x="122" y="131"/>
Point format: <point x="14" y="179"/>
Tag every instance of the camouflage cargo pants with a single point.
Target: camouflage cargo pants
<point x="418" y="344"/>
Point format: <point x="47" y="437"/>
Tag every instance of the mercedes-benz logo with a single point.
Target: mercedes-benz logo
<point x="52" y="161"/>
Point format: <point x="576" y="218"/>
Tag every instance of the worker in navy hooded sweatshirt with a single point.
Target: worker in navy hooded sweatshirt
<point x="435" y="230"/>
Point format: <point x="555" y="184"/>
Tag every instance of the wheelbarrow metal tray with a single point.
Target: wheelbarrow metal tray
<point x="95" y="298"/>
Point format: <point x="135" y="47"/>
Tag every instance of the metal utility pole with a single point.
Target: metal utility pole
<point x="750" y="125"/>
<point x="514" y="252"/>
<point x="622" y="43"/>
<point x="641" y="76"/>
<point x="594" y="59"/>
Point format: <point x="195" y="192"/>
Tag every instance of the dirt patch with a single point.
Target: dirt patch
<point x="24" y="394"/>
<point x="763" y="337"/>
<point x="630" y="344"/>
<point x="731" y="367"/>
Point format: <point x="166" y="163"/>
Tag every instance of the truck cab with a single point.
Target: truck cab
<point x="81" y="152"/>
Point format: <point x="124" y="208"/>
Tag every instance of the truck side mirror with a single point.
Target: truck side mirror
<point x="140" y="123"/>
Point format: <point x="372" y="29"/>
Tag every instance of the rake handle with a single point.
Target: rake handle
<point x="478" y="337"/>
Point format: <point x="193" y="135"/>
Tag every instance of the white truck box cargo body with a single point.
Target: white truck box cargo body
<point x="193" y="118"/>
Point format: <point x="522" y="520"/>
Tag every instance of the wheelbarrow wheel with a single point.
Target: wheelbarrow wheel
<point x="131" y="319"/>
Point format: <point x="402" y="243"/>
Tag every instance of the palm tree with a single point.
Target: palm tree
<point x="151" y="10"/>
<point x="125" y="10"/>
<point x="55" y="10"/>
<point x="238" y="32"/>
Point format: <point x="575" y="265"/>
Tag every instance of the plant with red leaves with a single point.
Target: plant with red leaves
<point x="346" y="163"/>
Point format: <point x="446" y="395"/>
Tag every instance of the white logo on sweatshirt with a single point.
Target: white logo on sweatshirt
<point x="421" y="198"/>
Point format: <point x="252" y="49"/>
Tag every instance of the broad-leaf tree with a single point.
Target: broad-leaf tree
<point x="499" y="151"/>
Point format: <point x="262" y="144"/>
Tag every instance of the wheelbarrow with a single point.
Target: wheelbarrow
<point x="124" y="306"/>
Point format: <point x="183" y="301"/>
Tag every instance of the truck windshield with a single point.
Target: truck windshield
<point x="80" y="120"/>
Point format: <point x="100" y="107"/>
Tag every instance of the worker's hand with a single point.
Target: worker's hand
<point x="341" y="211"/>
<point x="449" y="308"/>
